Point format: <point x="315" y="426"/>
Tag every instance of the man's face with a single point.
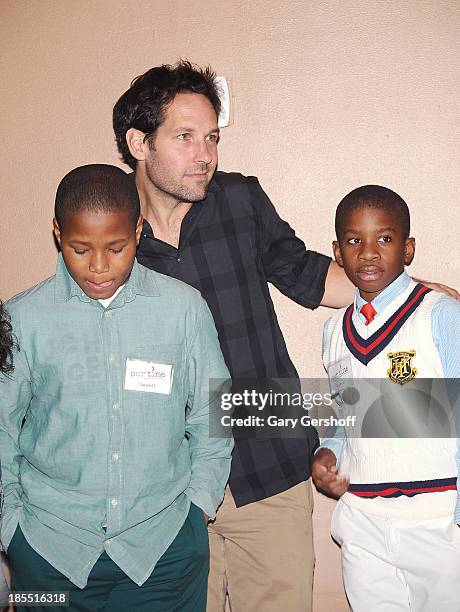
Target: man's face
<point x="98" y="249"/>
<point x="182" y="154"/>
<point x="372" y="250"/>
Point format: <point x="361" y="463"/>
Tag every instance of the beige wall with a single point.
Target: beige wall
<point x="326" y="96"/>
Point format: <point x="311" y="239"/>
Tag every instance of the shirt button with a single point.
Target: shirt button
<point x="107" y="313"/>
<point x="114" y="503"/>
<point x="179" y="259"/>
<point x="108" y="541"/>
<point x="116" y="407"/>
<point x="115" y="456"/>
<point x="111" y="358"/>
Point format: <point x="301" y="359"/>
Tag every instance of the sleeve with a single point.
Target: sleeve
<point x="334" y="443"/>
<point x="298" y="273"/>
<point x="210" y="455"/>
<point x="15" y="396"/>
<point x="446" y="336"/>
<point x="336" y="440"/>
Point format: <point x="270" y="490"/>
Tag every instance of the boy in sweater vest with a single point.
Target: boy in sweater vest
<point x="398" y="516"/>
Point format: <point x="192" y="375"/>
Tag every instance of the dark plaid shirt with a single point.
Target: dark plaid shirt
<point x="231" y="245"/>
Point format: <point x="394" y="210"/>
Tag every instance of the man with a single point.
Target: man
<point x="220" y="233"/>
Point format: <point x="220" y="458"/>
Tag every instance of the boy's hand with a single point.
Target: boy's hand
<point x="325" y="473"/>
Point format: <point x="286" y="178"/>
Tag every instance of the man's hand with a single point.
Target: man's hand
<point x="325" y="473"/>
<point x="339" y="291"/>
<point x="440" y="288"/>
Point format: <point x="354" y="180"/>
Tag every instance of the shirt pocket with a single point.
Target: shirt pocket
<point x="155" y="422"/>
<point x="155" y="376"/>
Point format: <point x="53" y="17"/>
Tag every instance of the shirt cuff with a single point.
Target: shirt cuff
<point x="10" y="523"/>
<point x="203" y="500"/>
<point x="333" y="445"/>
<point x="9" y="517"/>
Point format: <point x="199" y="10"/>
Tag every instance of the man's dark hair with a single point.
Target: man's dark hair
<point x="97" y="187"/>
<point x="373" y="196"/>
<point x="143" y="106"/>
<point x="7" y="343"/>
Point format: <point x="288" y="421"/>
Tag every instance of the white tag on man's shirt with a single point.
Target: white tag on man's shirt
<point x="148" y="376"/>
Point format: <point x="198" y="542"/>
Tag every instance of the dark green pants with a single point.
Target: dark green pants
<point x="177" y="584"/>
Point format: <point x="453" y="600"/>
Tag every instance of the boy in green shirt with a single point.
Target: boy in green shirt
<point x="105" y="478"/>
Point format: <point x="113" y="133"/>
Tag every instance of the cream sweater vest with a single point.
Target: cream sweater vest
<point x="389" y="475"/>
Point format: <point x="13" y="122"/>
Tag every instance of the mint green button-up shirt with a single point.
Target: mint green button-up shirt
<point x="97" y="466"/>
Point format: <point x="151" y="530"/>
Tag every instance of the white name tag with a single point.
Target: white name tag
<point x="340" y="376"/>
<point x="148" y="376"/>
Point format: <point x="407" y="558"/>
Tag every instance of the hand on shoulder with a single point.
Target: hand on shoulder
<point x="440" y="288"/>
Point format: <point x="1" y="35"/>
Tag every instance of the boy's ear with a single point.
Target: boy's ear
<point x="57" y="231"/>
<point x="409" y="251"/>
<point x="139" y="223"/>
<point x="135" y="139"/>
<point x="337" y="252"/>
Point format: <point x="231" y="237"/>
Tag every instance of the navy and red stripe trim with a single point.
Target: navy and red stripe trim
<point x="366" y="349"/>
<point x="408" y="489"/>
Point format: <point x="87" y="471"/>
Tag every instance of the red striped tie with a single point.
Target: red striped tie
<point x="368" y="311"/>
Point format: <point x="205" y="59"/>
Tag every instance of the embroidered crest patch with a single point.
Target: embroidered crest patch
<point x="401" y="369"/>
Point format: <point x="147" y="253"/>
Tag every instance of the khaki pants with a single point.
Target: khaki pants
<point x="262" y="554"/>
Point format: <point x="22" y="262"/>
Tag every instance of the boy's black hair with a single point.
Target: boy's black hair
<point x="7" y="343"/>
<point x="143" y="106"/>
<point x="373" y="196"/>
<point x="97" y="187"/>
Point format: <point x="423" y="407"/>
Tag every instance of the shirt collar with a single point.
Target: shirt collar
<point x="386" y="297"/>
<point x="140" y="282"/>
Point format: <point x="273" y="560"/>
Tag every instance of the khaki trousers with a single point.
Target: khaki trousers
<point x="262" y="554"/>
